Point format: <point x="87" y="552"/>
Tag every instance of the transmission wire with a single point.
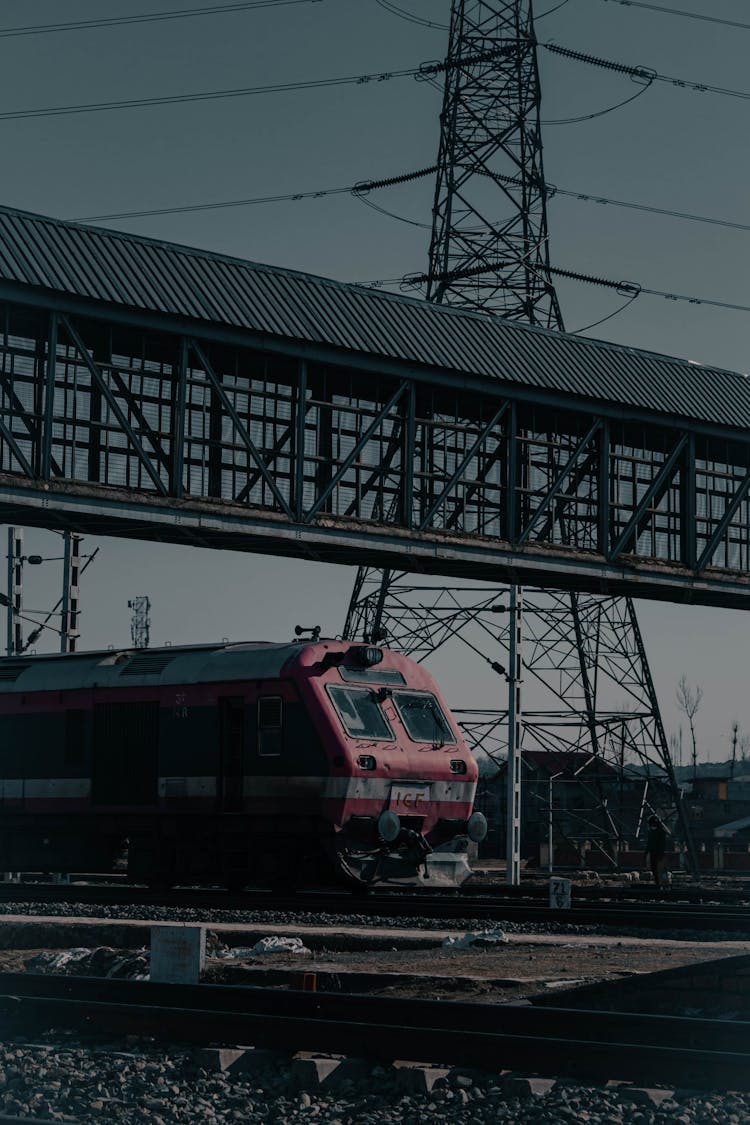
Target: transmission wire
<point x="395" y="10"/>
<point x="631" y="289"/>
<point x="680" y="12"/>
<point x="644" y="73"/>
<point x="145" y="17"/>
<point x="422" y="72"/>
<point x="364" y="186"/>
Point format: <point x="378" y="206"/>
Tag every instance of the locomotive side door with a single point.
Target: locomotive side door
<point x="230" y="782"/>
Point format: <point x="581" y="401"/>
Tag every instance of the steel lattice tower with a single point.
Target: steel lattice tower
<point x="490" y="206"/>
<point x="489" y="252"/>
<point x="140" y="621"/>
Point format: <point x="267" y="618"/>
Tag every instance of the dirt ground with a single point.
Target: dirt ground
<point x="407" y="963"/>
<point x="513" y="971"/>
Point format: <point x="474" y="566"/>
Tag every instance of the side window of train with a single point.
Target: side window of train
<point x="270" y="725"/>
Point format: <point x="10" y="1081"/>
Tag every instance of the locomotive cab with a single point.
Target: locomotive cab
<point x="405" y="809"/>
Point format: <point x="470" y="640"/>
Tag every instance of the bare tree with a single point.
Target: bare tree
<point x="675" y="749"/>
<point x="689" y="700"/>
<point x="735" y="738"/>
<point x="744" y="748"/>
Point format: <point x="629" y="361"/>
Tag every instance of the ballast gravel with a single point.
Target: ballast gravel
<point x="62" y="1079"/>
<point x="259" y="918"/>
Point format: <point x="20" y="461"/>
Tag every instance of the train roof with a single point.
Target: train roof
<point x="132" y="667"/>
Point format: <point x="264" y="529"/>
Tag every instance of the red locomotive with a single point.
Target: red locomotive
<point x="233" y="763"/>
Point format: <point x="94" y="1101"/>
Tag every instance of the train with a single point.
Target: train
<point x="235" y="763"/>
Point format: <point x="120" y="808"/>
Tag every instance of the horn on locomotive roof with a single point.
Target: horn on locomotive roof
<point x="313" y="630"/>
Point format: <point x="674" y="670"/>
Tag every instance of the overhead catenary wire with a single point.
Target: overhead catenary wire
<point x="144" y="17"/>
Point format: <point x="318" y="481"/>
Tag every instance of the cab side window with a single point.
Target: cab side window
<point x="270" y="725"/>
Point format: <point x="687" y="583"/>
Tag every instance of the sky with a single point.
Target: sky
<point x="670" y="148"/>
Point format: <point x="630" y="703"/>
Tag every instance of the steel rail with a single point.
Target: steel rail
<point x="713" y="1054"/>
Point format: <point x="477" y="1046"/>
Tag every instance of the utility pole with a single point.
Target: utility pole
<point x="68" y="605"/>
<point x="14" y="640"/>
<point x="515" y="728"/>
<point x="71" y="597"/>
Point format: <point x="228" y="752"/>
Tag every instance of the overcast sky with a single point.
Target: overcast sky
<point x="671" y="148"/>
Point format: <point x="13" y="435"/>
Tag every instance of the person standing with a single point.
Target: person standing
<point x="656" y="847"/>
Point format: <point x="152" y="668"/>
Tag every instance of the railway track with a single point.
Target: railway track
<point x="699" y="1053"/>
<point x="642" y="916"/>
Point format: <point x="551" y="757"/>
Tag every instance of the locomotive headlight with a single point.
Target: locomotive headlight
<point x="389" y="826"/>
<point x="366" y="655"/>
<point x="476" y="827"/>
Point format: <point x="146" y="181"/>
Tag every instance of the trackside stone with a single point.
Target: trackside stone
<point x="642" y="1095"/>
<point x="517" y="1087"/>
<point x="218" y="1059"/>
<point x="178" y="954"/>
<point x="311" y="1073"/>
<point x="418" y="1079"/>
<point x="352" y="1069"/>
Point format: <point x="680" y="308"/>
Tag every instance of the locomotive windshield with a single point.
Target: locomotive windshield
<point x="423" y="717"/>
<point x="360" y="713"/>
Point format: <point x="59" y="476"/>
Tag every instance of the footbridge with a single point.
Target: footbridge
<point x="156" y="391"/>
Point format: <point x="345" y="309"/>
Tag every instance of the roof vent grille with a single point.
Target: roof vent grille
<point x="10" y="670"/>
<point x="148" y="664"/>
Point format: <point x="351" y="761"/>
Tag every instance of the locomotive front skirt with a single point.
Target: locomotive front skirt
<point x="232" y="763"/>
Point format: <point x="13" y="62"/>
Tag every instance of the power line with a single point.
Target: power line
<point x="644" y="73"/>
<point x="292" y="196"/>
<point x="145" y="17"/>
<point x="680" y="12"/>
<point x="668" y="211"/>
<point x="423" y="71"/>
<point x="361" y="188"/>
<point x="208" y="95"/>
<point x="395" y="10"/>
<point x="629" y="289"/>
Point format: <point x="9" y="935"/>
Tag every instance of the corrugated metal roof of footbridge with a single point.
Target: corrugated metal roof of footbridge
<point x="147" y="274"/>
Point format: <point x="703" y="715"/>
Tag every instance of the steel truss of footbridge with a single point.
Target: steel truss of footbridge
<point x="153" y="391"/>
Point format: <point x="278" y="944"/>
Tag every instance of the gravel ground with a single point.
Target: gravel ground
<point x="64" y="1080"/>
<point x="337" y="921"/>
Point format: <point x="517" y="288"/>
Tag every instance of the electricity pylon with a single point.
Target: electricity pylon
<point x="489" y="251"/>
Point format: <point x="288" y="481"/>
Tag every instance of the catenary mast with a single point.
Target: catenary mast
<point x="489" y="252"/>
